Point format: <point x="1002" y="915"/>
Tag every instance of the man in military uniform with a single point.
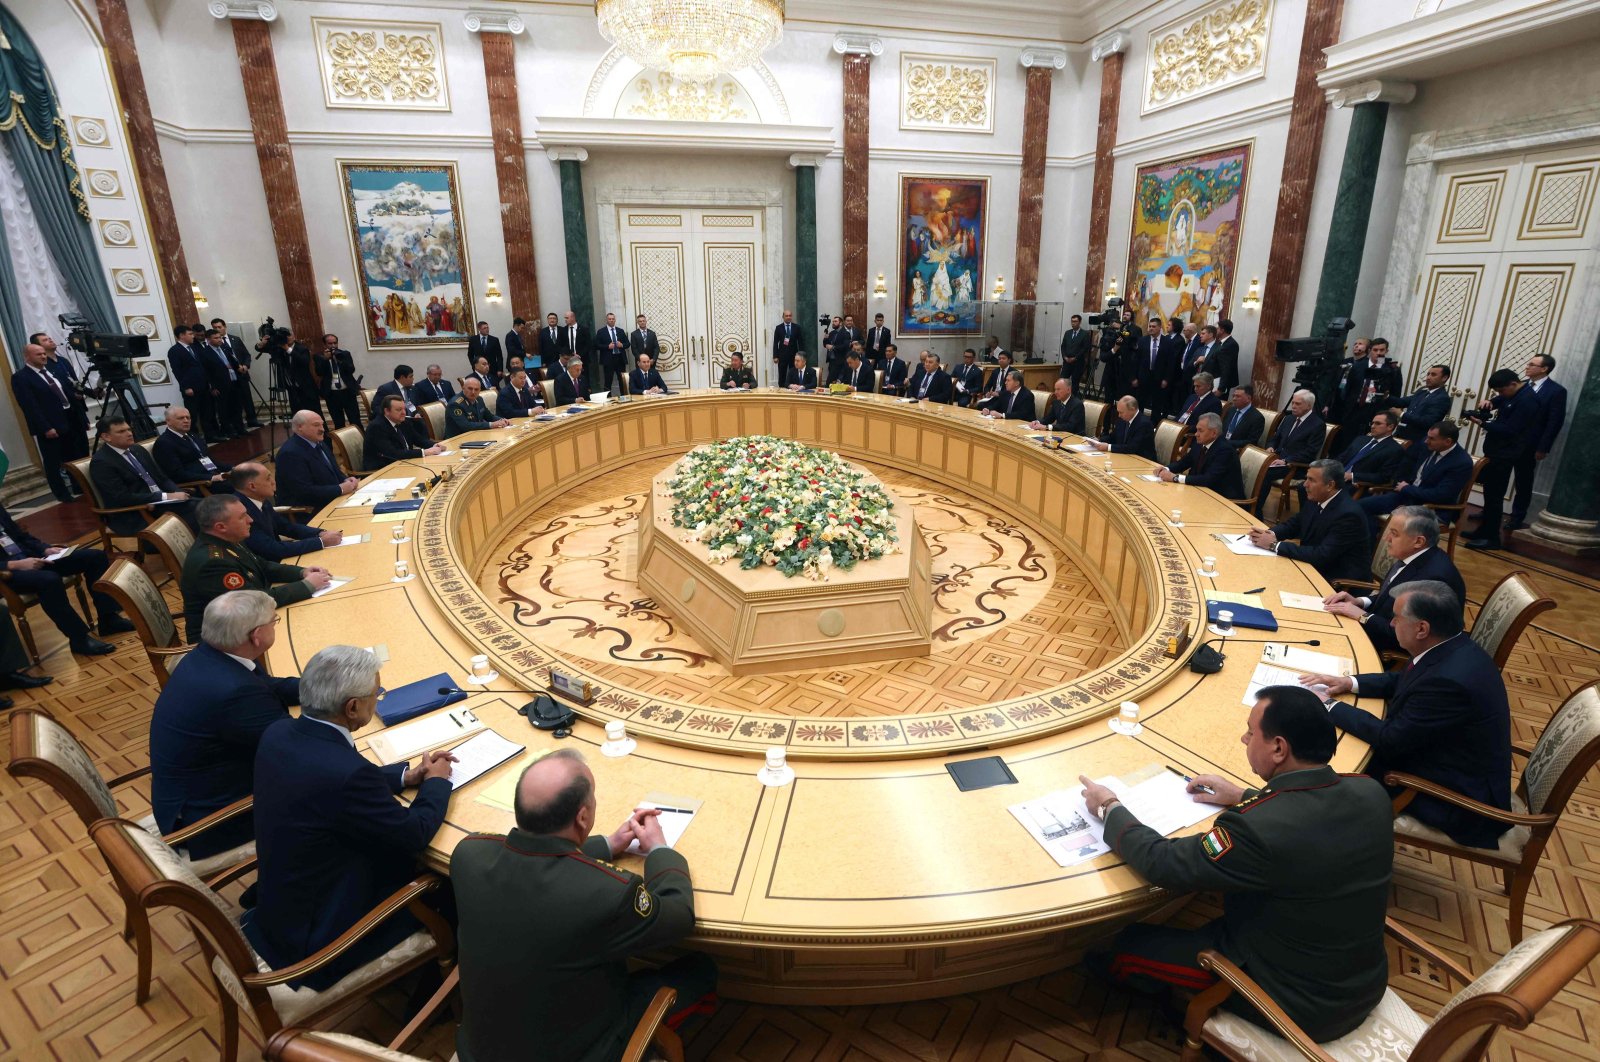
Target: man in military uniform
<point x="219" y="561"/>
<point x="467" y="411"/>
<point x="547" y="925"/>
<point x="1303" y="865"/>
<point x="736" y="377"/>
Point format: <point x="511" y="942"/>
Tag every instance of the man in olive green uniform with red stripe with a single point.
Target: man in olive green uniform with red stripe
<point x="1303" y="864"/>
<point x="219" y="562"/>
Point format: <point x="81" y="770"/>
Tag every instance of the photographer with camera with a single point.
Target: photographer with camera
<point x="1510" y="423"/>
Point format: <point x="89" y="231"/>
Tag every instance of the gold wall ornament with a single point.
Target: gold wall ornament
<point x="397" y="65"/>
<point x="940" y="92"/>
<point x="677" y="100"/>
<point x="1223" y="45"/>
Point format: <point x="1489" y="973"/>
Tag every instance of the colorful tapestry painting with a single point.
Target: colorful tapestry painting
<point x="942" y="225"/>
<point x="405" y="229"/>
<point x="1185" y="237"/>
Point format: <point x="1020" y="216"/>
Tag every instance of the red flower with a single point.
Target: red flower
<point x="804" y="542"/>
<point x="767" y="510"/>
<point x="744" y="497"/>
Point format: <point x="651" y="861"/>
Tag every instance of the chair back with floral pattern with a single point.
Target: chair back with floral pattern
<point x="44" y="749"/>
<point x="1564" y="753"/>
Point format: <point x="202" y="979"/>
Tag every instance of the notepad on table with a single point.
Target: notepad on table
<point x="1308" y="602"/>
<point x="333" y="584"/>
<point x="351" y="540"/>
<point x="1242" y="545"/>
<point x="400" y="743"/>
<point x="1306" y="659"/>
<point x="676" y="814"/>
<point x="1083" y="448"/>
<point x="1150" y="477"/>
<point x="478" y="755"/>
<point x="478" y="444"/>
<point x="1268" y="675"/>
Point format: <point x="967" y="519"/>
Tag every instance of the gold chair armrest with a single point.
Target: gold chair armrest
<point x="1450" y="796"/>
<point x="1350" y="586"/>
<point x="1519" y="749"/>
<point x="178" y="836"/>
<point x="645" y="1031"/>
<point x="1409" y="939"/>
<point x="1231" y="979"/>
<point x="233" y="873"/>
<point x="148" y="510"/>
<point x="401" y="898"/>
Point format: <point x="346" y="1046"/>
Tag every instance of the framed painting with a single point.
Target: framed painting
<point x="1185" y="235"/>
<point x="944" y="234"/>
<point x="409" y="250"/>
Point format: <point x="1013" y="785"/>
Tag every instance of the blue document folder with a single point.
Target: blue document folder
<point x="1243" y="615"/>
<point x="416" y="698"/>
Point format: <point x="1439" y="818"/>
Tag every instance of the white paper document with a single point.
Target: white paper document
<point x="375" y="491"/>
<point x="59" y="554"/>
<point x="432" y="731"/>
<point x="1241" y="545"/>
<point x="333" y="584"/>
<point x="1308" y="602"/>
<point x="1268" y="675"/>
<point x="351" y="540"/>
<point x="1150" y="477"/>
<point x="1306" y="659"/>
<point x="480" y="754"/>
<point x="1084" y="448"/>
<point x="1062" y="825"/>
<point x="676" y="814"/>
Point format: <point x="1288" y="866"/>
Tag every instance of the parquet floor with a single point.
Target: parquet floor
<point x="66" y="977"/>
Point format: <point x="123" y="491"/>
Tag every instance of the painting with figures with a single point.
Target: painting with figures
<point x="411" y="258"/>
<point x="943" y="226"/>
<point x="1185" y="237"/>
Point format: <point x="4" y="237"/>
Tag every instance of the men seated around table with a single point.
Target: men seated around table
<point x="966" y="378"/>
<point x="488" y="380"/>
<point x="800" y="376"/>
<point x="645" y="380"/>
<point x="736" y="377"/>
<point x="1446" y="717"/>
<point x="570" y="384"/>
<point x="183" y="455"/>
<point x="1303" y="865"/>
<point x="433" y="388"/>
<point x="26" y="567"/>
<point x="124" y="475"/>
<point x="1065" y="411"/>
<point x="1130" y="433"/>
<point x="467" y="411"/>
<point x="219" y="561"/>
<point x="895" y="371"/>
<point x="1014" y="402"/>
<point x="14" y="660"/>
<point x="1438" y="473"/>
<point x="1376" y="457"/>
<point x="1242" y="422"/>
<point x="559" y="988"/>
<point x="331" y="839"/>
<point x="1427" y="406"/>
<point x="519" y="396"/>
<point x="415" y="426"/>
<point x="209" y="719"/>
<point x="308" y="475"/>
<point x="1201" y="402"/>
<point x="1328" y="532"/>
<point x="1209" y="463"/>
<point x="996" y="381"/>
<point x="930" y="383"/>
<point x="1412" y="542"/>
<point x="274" y="536"/>
<point x="387" y="441"/>
<point x="858" y="373"/>
<point x="1298" y="440"/>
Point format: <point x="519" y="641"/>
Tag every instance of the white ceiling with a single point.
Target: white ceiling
<point x="1070" y="21"/>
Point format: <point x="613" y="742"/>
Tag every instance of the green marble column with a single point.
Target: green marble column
<point x="1571" y="522"/>
<point x="580" y="285"/>
<point x="805" y="253"/>
<point x="1347" y="229"/>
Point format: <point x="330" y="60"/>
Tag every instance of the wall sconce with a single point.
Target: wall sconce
<point x="999" y="288"/>
<point x="1252" y="298"/>
<point x="199" y="296"/>
<point x="491" y="291"/>
<point x="336" y="295"/>
<point x="880" y="288"/>
<point x="1111" y="288"/>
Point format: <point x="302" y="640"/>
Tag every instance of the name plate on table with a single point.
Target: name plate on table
<point x="577" y="689"/>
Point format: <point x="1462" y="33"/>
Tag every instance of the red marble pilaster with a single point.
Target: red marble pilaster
<point x="259" y="70"/>
<point x="1306" y="119"/>
<point x="857" y="134"/>
<point x="1104" y="169"/>
<point x="1030" y="202"/>
<point x="145" y="147"/>
<point x="511" y="172"/>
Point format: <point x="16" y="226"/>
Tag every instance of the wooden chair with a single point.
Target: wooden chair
<point x="1510" y="994"/>
<point x="44" y="749"/>
<point x="197" y="487"/>
<point x="1269" y="426"/>
<point x="547" y="386"/>
<point x="19" y="602"/>
<point x="1566" y="750"/>
<point x="1094" y="417"/>
<point x="1510" y="607"/>
<point x="1253" y="464"/>
<point x="1451" y="514"/>
<point x="131" y="588"/>
<point x="171" y="539"/>
<point x="349" y="448"/>
<point x="364" y="400"/>
<point x="1295" y="475"/>
<point x="1169" y="436"/>
<point x="79" y="470"/>
<point x="433" y="416"/>
<point x="1381" y="563"/>
<point x="243" y="981"/>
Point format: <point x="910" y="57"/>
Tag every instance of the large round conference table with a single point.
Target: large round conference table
<point x="870" y="877"/>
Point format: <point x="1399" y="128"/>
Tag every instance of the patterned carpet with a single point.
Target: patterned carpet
<point x="67" y="990"/>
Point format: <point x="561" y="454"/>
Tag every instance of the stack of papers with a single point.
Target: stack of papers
<point x="1062" y="825"/>
<point x="374" y="491"/>
<point x="435" y="731"/>
<point x="676" y="814"/>
<point x="1293" y="656"/>
<point x="351" y="540"/>
<point x="479" y="755"/>
<point x="1309" y="602"/>
<point x="1084" y="448"/>
<point x="333" y="584"/>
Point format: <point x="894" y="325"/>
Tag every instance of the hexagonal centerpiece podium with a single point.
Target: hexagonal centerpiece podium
<point x="758" y="620"/>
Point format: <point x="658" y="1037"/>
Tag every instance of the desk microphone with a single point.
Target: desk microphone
<point x="445" y="691"/>
<point x="432" y="482"/>
<point x="1207" y="661"/>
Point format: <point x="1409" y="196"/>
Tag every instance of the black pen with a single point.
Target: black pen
<point x="1199" y="788"/>
<point x="1257" y="590"/>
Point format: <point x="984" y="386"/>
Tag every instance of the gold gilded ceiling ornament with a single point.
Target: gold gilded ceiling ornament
<point x="688" y="101"/>
<point x="1225" y="44"/>
<point x="378" y="66"/>
<point x="693" y="40"/>
<point x="947" y="94"/>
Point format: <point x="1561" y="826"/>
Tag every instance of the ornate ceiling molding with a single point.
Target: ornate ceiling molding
<point x="946" y="93"/>
<point x="1372" y="92"/>
<point x="375" y="65"/>
<point x="1215" y="48"/>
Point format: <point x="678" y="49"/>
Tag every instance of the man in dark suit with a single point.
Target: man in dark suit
<point x="337" y="382"/>
<point x="27" y="567"/>
<point x="433" y="388"/>
<point x="930" y="383"/>
<point x="643" y="340"/>
<point x="1130" y="433"/>
<point x="1191" y="360"/>
<point x="300" y="374"/>
<point x="1412" y="541"/>
<point x="184" y="358"/>
<point x="1376" y="457"/>
<point x="331" y="839"/>
<point x="645" y="380"/>
<point x="1202" y="400"/>
<point x="1439" y="471"/>
<point x="1328" y="532"/>
<point x="183" y="455"/>
<point x="1155" y="364"/>
<point x="1298" y="440"/>
<point x="1552" y="405"/>
<point x="387" y="441"/>
<point x="788" y="339"/>
<point x="1429" y="405"/>
<point x="612" y="346"/>
<point x="1446" y="717"/>
<point x="308" y="475"/>
<point x="995" y="382"/>
<point x="273" y="536"/>
<point x="576" y="338"/>
<point x="1223" y="361"/>
<point x="486" y="346"/>
<point x="878" y="340"/>
<point x="1065" y="411"/>
<point x="519" y="397"/>
<point x="1014" y="402"/>
<point x="895" y="370"/>
<point x="75" y="443"/>
<point x="799" y="376"/>
<point x="1076" y="348"/>
<point x="228" y="385"/>
<point x="515" y="345"/>
<point x="209" y="719"/>
<point x="1242" y="422"/>
<point x="47" y="408"/>
<point x="553" y="343"/>
<point x="401" y="387"/>
<point x="126" y="476"/>
<point x="967" y="378"/>
<point x="1511" y="426"/>
<point x="241" y="365"/>
<point x="469" y="412"/>
<point x="1207" y="464"/>
<point x="570" y="384"/>
<point x="559" y="988"/>
<point x="844" y="337"/>
<point x="488" y="382"/>
<point x="1367" y="379"/>
<point x="859" y="374"/>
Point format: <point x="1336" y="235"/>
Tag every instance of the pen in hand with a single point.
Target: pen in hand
<point x="1206" y="789"/>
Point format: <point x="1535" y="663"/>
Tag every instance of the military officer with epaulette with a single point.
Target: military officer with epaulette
<point x="1303" y="864"/>
<point x="219" y="561"/>
<point x="468" y="412"/>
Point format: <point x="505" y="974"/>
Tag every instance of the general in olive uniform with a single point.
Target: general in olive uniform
<point x="1303" y="864"/>
<point x="467" y="411"/>
<point x="219" y="562"/>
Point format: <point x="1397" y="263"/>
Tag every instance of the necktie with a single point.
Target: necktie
<point x="1427" y="466"/>
<point x="1234" y="423"/>
<point x="1011" y="402"/>
<point x="1388" y="580"/>
<point x="1363" y="452"/>
<point x="139" y="468"/>
<point x="927" y="377"/>
<point x="572" y="338"/>
<point x="333" y="370"/>
<point x="325" y="458"/>
<point x="227" y="362"/>
<point x="1153" y="344"/>
<point x="50" y="379"/>
<point x="1201" y="453"/>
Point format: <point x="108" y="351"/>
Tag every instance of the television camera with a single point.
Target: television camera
<point x="110" y="356"/>
<point x="1318" y="360"/>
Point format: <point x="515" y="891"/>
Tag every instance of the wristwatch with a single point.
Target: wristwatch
<point x="1105" y="809"/>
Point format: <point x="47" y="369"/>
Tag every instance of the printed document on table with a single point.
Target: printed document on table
<point x="477" y="755"/>
<point x="1268" y="675"/>
<point x="351" y="540"/>
<point x="676" y="814"/>
<point x="1309" y="602"/>
<point x="1062" y="825"/>
<point x="1241" y="545"/>
<point x="1084" y="448"/>
<point x="1162" y="801"/>
<point x="1306" y="659"/>
<point x="333" y="584"/>
<point x="375" y="491"/>
<point x="432" y="731"/>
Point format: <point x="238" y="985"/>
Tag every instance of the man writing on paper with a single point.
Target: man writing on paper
<point x="537" y="986"/>
<point x="1303" y="864"/>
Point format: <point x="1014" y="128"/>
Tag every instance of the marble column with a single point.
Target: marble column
<point x="805" y="246"/>
<point x="252" y="39"/>
<point x="1352" y="205"/>
<point x="1108" y="53"/>
<point x="858" y="52"/>
<point x="499" y="30"/>
<point x="1570" y="523"/>
<point x="1041" y="62"/>
<point x="1307" y="116"/>
<point x="575" y="226"/>
<point x="145" y="147"/>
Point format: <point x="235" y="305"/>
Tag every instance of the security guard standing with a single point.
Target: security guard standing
<point x="219" y="562"/>
<point x="1303" y="865"/>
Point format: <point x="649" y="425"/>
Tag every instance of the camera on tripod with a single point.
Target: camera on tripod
<point x="111" y="355"/>
<point x="1110" y="317"/>
<point x="1318" y="359"/>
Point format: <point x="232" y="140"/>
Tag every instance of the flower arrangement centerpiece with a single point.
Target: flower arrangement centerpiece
<point x="771" y="502"/>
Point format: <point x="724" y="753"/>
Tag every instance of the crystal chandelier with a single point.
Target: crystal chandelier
<point x="693" y="40"/>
